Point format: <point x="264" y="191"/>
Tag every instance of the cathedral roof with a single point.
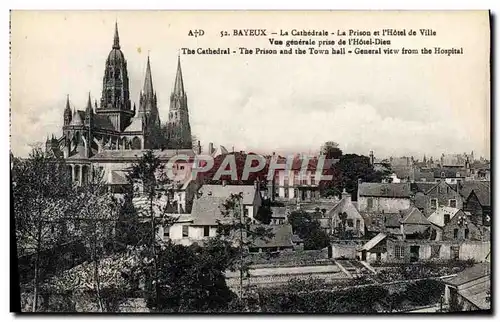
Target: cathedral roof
<point x="103" y="122"/>
<point x="77" y="118"/>
<point x="135" y="126"/>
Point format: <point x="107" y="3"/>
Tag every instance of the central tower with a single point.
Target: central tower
<point x="115" y="96"/>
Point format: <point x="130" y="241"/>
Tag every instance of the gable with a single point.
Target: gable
<point x="415" y="217"/>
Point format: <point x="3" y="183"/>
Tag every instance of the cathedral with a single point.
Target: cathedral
<point x="111" y="133"/>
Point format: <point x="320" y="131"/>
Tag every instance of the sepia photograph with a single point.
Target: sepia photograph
<point x="313" y="162"/>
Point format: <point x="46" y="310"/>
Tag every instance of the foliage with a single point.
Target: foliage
<point x="265" y="214"/>
<point x="237" y="228"/>
<point x="309" y="230"/>
<point x="346" y="173"/>
<point x="42" y="200"/>
<point x="191" y="279"/>
<point x="331" y="150"/>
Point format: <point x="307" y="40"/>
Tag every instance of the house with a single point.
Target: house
<point x="411" y="250"/>
<point x="477" y="195"/>
<point x="293" y="184"/>
<point x="413" y="224"/>
<point x="453" y="224"/>
<point x="345" y="214"/>
<point x="281" y="240"/>
<point x="387" y="197"/>
<point x="251" y="198"/>
<point x="450" y="174"/>
<point x="428" y="197"/>
<point x="470" y="289"/>
<point x="180" y="232"/>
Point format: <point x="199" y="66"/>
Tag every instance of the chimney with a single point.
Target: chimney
<point x="210" y="148"/>
<point x="359" y="183"/>
<point x="346" y="195"/>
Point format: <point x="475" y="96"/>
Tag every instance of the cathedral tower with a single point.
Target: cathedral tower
<point x="148" y="109"/>
<point x="115" y="97"/>
<point x="179" y="130"/>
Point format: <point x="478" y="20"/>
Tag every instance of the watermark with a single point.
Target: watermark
<point x="181" y="167"/>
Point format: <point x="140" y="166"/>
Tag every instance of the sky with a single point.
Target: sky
<point x="393" y="105"/>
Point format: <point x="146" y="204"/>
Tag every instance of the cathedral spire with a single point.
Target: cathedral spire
<point x="89" y="104"/>
<point x="67" y="102"/>
<point x="116" y="40"/>
<point x="179" y="83"/>
<point x="148" y="81"/>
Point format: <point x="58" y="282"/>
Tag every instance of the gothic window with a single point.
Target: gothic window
<point x="109" y="95"/>
<point x="117" y="93"/>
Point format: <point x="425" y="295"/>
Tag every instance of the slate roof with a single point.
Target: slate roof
<point x="282" y="237"/>
<point x="374" y="241"/>
<point x="422" y="186"/>
<point x="206" y="210"/>
<point x="389" y="190"/>
<point x="133" y="155"/>
<point x="414" y="216"/>
<point x="118" y="177"/>
<point x="135" y="126"/>
<point x="224" y="192"/>
<point x="480" y="188"/>
<point x="278" y="212"/>
<point x="470" y="274"/>
<point x="437" y="217"/>
<point x="478" y="295"/>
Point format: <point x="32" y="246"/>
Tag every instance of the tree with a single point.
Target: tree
<point x="98" y="215"/>
<point x="353" y="167"/>
<point x="331" y="150"/>
<point x="237" y="228"/>
<point x="42" y="195"/>
<point x="309" y="230"/>
<point x="151" y="193"/>
<point x="265" y="214"/>
<point x="191" y="279"/>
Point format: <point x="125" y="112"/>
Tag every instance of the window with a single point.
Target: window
<point x="455" y="252"/>
<point x="286" y="192"/>
<point x="455" y="233"/>
<point x="453" y="203"/>
<point x="466" y="234"/>
<point x="206" y="231"/>
<point x="370" y="203"/>
<point x="358" y="224"/>
<point x="350" y="223"/>
<point x="399" y="251"/>
<point x="185" y="231"/>
<point x="433" y="203"/>
<point x="443" y="175"/>
<point x="446" y="219"/>
<point x="166" y="232"/>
